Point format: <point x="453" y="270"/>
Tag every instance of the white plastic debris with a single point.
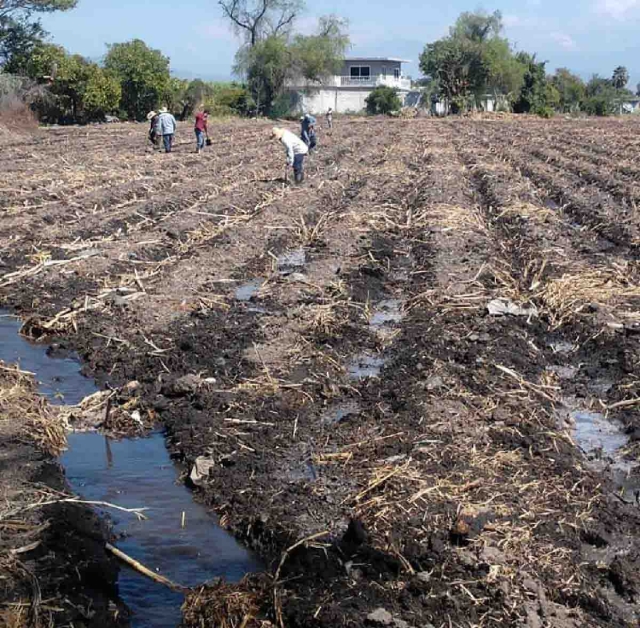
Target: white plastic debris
<point x="504" y="307"/>
<point x="201" y="468"/>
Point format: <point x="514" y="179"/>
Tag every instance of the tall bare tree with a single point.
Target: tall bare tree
<point x="256" y="19"/>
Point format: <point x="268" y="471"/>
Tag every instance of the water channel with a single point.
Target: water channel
<point x="180" y="539"/>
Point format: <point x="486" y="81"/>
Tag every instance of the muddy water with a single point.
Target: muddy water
<point x="603" y="442"/>
<point x="180" y="539"/>
<point x="138" y="473"/>
<point x="60" y="379"/>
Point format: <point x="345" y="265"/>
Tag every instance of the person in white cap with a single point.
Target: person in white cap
<point x="296" y="151"/>
<point x="168" y="127"/>
<point x="154" y="128"/>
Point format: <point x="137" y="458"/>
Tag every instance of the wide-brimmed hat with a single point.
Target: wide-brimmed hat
<point x="151" y="115"/>
<point x="277" y="132"/>
<point x="164" y="110"/>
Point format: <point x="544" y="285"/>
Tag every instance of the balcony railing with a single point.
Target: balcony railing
<point x="374" y="81"/>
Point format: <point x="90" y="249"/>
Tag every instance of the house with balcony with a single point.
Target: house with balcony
<point x="348" y="91"/>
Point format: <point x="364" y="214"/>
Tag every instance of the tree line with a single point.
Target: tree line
<point x="134" y="78"/>
<point x="461" y="69"/>
<point x="476" y="60"/>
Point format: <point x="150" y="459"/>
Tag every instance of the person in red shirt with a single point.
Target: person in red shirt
<point x="202" y="133"/>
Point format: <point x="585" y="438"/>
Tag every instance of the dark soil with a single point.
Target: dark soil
<point x="449" y="492"/>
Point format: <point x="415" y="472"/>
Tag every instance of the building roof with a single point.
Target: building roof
<point x="396" y="60"/>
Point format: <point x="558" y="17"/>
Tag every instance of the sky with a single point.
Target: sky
<point x="587" y="36"/>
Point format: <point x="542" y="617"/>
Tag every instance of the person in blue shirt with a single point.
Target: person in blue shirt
<point x="308" y="134"/>
<point x="168" y="126"/>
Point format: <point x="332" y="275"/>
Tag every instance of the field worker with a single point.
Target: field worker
<point x="296" y="151"/>
<point x="308" y="133"/>
<point x="154" y="128"/>
<point x="202" y="132"/>
<point x="168" y="127"/>
<point x="330" y="118"/>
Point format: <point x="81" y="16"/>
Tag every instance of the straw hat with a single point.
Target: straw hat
<point x="277" y="133"/>
<point x="164" y="110"/>
<point x="151" y="115"/>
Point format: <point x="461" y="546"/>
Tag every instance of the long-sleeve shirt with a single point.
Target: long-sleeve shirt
<point x="167" y="124"/>
<point x="308" y="130"/>
<point x="294" y="146"/>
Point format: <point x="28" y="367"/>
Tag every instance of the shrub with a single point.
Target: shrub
<point x="229" y="99"/>
<point x="16" y="96"/>
<point x="383" y="100"/>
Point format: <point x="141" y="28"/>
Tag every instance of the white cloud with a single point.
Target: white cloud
<point x="617" y="9"/>
<point x="564" y="41"/>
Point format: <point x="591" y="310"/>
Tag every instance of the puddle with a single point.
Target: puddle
<point x="365" y="366"/>
<point x="386" y="312"/>
<point x="603" y="441"/>
<point x="247" y="291"/>
<point x="336" y="413"/>
<point x="135" y="473"/>
<point x="595" y="433"/>
<point x="291" y="262"/>
<point x="139" y="473"/>
<point x="59" y="378"/>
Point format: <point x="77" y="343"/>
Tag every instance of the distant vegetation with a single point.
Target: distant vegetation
<point x="475" y="60"/>
<point x="39" y="78"/>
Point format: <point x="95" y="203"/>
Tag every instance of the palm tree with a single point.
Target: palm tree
<point x="620" y="77"/>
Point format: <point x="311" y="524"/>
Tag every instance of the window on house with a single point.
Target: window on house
<point x="396" y="73"/>
<point x="360" y="71"/>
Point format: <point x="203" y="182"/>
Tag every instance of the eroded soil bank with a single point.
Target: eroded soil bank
<point x="54" y="568"/>
<point x="373" y="376"/>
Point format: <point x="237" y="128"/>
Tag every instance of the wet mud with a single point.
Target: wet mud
<point x="395" y="448"/>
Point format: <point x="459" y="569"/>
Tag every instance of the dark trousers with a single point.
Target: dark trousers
<point x="298" y="168"/>
<point x="200" y="139"/>
<point x="168" y="142"/>
<point x="310" y="139"/>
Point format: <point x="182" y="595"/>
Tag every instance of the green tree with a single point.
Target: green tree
<point x="620" y="77"/>
<point x="478" y="27"/>
<point x="143" y="74"/>
<point x="229" y="99"/>
<point x="196" y="93"/>
<point x="472" y="60"/>
<point x="571" y="89"/>
<point x="10" y="8"/>
<point x="77" y="89"/>
<point x="383" y="100"/>
<point x="18" y="38"/>
<point x="19" y="33"/>
<point x="102" y="93"/>
<point x="457" y="67"/>
<point x="266" y="66"/>
<point x="533" y="94"/>
<point x="317" y="56"/>
<point x="600" y="97"/>
<point x="505" y="75"/>
<point x="260" y="19"/>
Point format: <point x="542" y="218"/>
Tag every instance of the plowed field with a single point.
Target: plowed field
<point x="389" y="361"/>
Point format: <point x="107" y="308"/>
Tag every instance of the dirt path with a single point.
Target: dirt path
<point x="378" y="436"/>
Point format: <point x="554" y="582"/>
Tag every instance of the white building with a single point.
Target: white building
<point x="347" y="92"/>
